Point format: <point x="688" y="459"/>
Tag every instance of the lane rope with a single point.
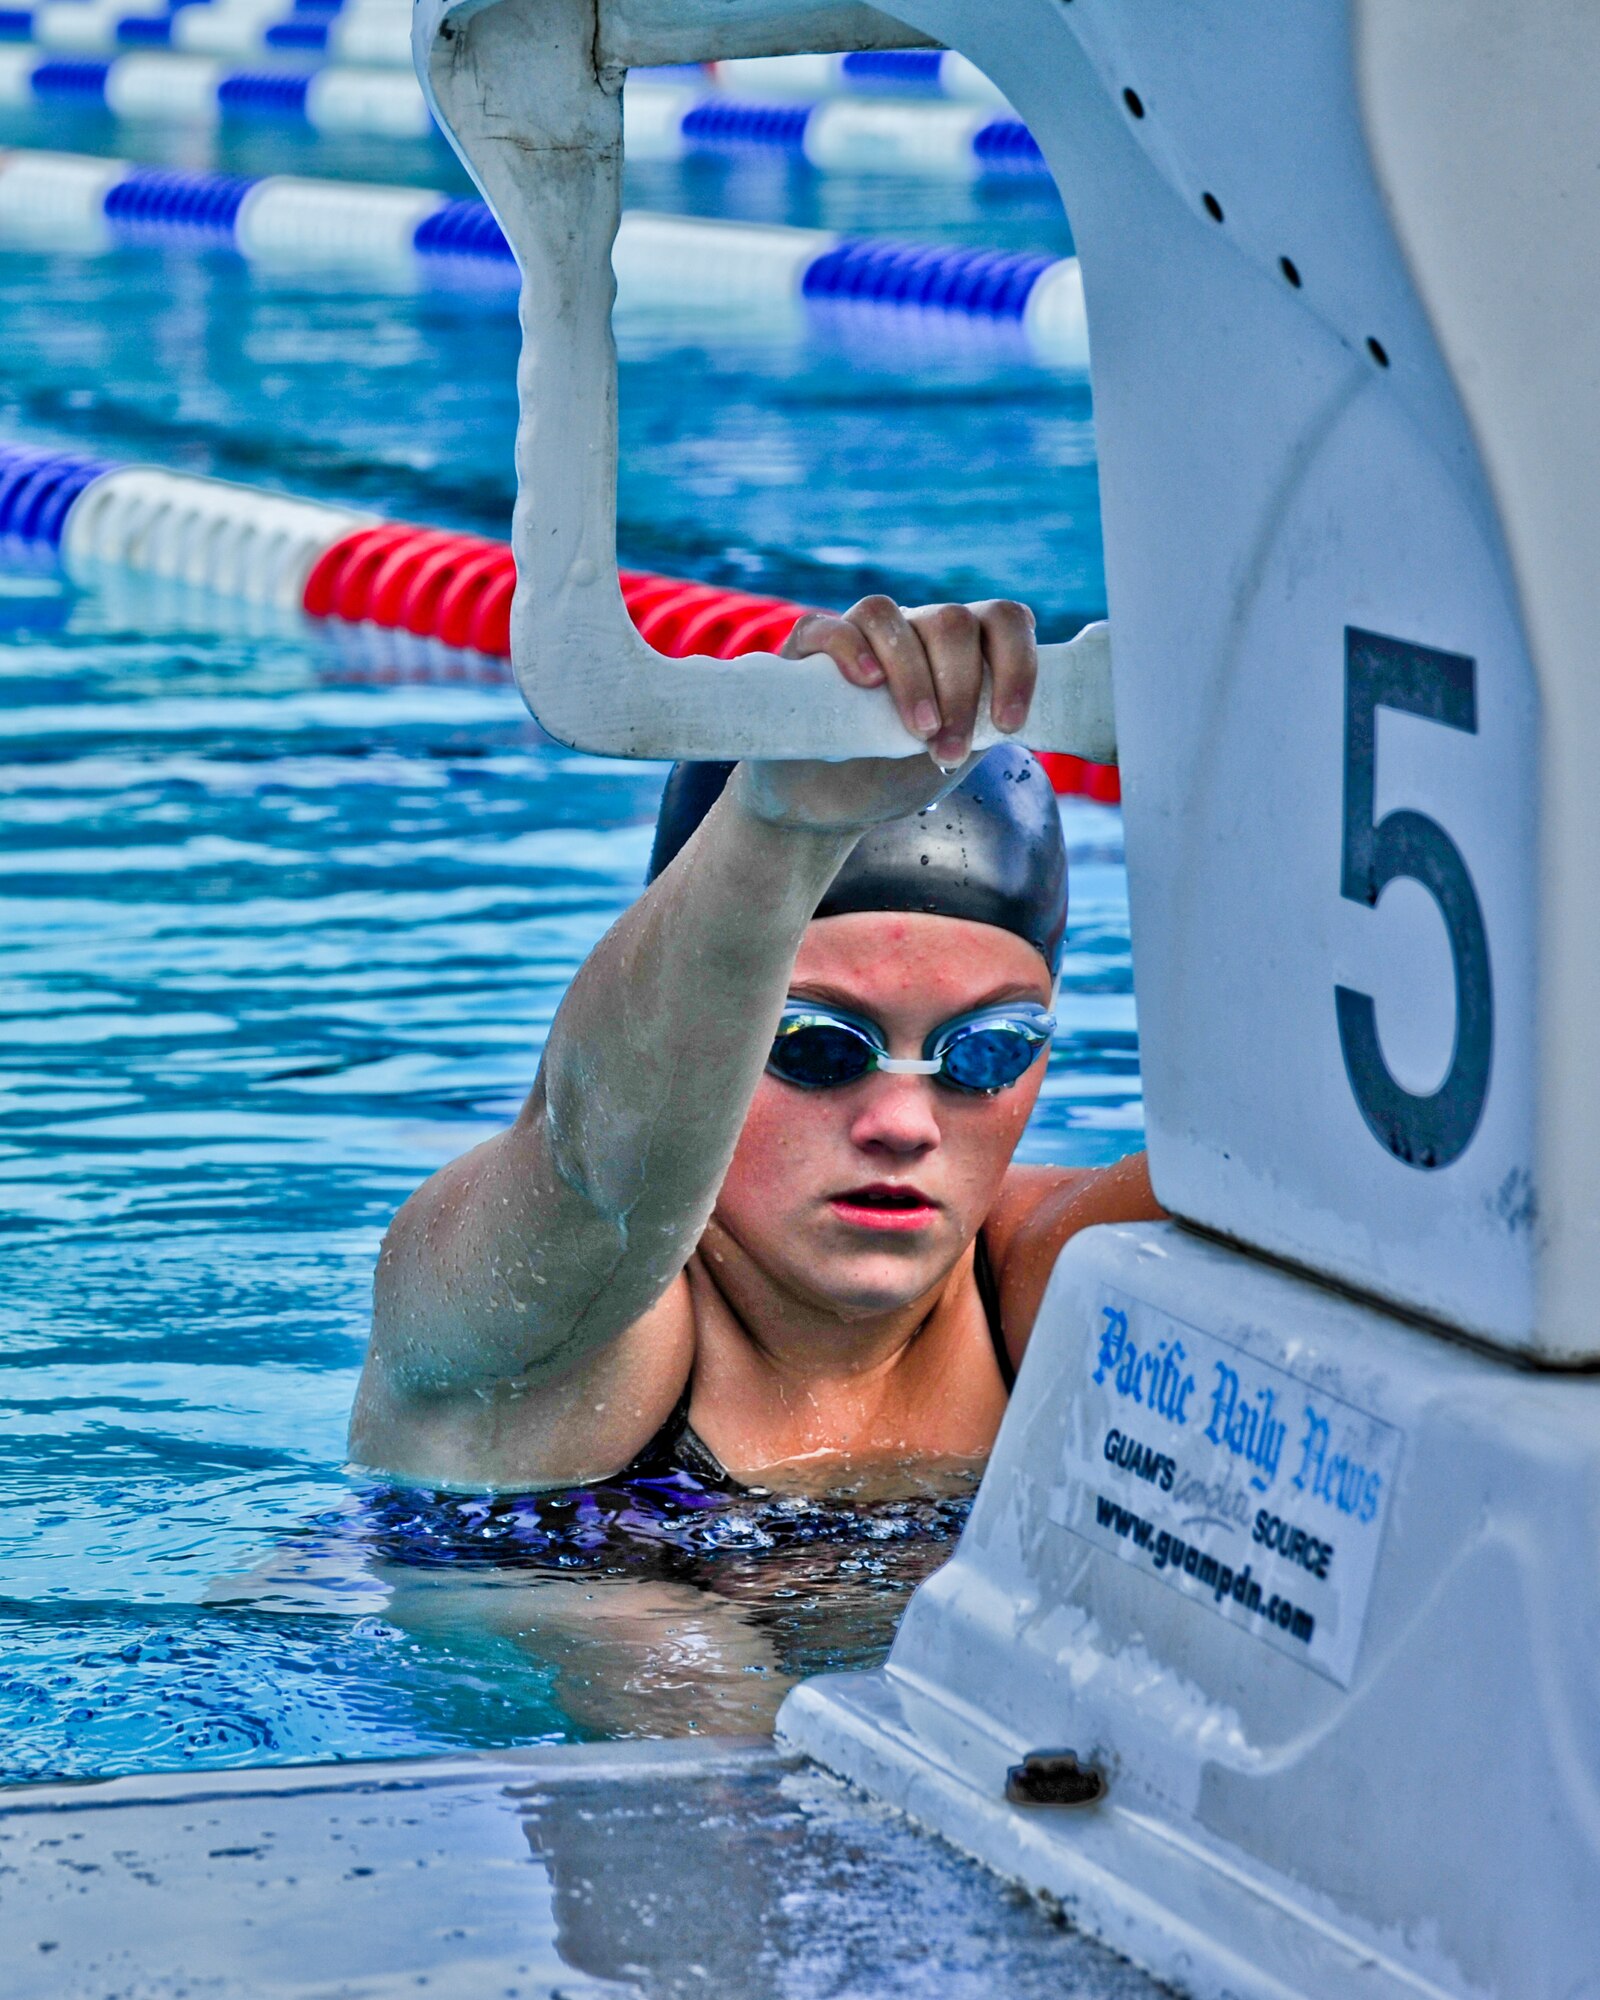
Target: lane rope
<point x="68" y="202"/>
<point x="666" y="120"/>
<point x="665" y="117"/>
<point x="198" y="89"/>
<point x="374" y="32"/>
<point x="378" y="32"/>
<point x="353" y="568"/>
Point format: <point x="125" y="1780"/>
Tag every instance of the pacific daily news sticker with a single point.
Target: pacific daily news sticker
<point x="1230" y="1480"/>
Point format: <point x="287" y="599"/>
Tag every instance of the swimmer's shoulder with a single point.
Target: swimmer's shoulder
<point x="1040" y="1209"/>
<point x="579" y="1424"/>
<point x="594" y="1422"/>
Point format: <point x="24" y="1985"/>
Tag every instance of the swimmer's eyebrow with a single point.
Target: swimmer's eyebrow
<point x="850" y="1003"/>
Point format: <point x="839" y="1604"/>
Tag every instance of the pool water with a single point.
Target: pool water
<point x="280" y="932"/>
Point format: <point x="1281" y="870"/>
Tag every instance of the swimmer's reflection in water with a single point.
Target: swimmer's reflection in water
<point x="706" y="1631"/>
<point x="758" y="1223"/>
<point x="651" y="1608"/>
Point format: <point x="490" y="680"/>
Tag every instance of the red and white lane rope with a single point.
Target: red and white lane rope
<point x="335" y="563"/>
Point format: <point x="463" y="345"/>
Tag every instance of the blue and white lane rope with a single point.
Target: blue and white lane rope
<point x="379" y="31"/>
<point x="375" y="32"/>
<point x="67" y="202"/>
<point x="200" y="90"/>
<point x="662" y="120"/>
<point x="358" y="31"/>
<point x="866" y="73"/>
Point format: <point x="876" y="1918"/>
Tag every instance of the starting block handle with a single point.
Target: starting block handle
<point x="536" y="114"/>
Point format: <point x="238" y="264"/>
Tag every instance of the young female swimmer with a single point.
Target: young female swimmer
<point x="758" y="1218"/>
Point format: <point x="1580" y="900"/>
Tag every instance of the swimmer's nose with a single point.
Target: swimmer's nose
<point x="896" y="1115"/>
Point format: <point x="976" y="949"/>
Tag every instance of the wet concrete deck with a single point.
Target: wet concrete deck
<point x="657" y="1869"/>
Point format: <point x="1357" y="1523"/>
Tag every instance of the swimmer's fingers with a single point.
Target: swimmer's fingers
<point x="873" y="644"/>
<point x="899" y="652"/>
<point x="932" y="660"/>
<point x="952" y="639"/>
<point x="1012" y="653"/>
<point x="845" y="644"/>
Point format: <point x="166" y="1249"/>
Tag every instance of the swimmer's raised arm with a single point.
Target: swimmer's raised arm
<point x="523" y="1330"/>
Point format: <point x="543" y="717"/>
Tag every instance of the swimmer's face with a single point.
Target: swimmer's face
<point x="862" y="1197"/>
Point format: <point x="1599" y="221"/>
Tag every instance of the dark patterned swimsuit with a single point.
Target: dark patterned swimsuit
<point x="674" y="1512"/>
<point x="678" y="1446"/>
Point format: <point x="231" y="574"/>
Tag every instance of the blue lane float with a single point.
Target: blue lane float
<point x="163" y="203"/>
<point x="74" y="203"/>
<point x="37" y="489"/>
<point x="989" y="284"/>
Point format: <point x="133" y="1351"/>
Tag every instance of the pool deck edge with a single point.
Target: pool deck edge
<point x="516" y="1769"/>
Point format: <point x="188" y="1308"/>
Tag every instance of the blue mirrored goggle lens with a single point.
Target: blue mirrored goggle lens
<point x="990" y="1058"/>
<point x="820" y="1054"/>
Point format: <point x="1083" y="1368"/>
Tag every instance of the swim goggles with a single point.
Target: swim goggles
<point x="819" y="1048"/>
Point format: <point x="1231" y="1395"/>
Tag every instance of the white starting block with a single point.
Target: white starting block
<point x="1293" y="1530"/>
<point x="1313" y="1591"/>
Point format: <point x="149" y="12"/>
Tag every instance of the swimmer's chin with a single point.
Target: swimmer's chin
<point x="866" y="1281"/>
<point x="861" y="1300"/>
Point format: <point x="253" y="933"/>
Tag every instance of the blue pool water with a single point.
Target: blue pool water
<point x="278" y="938"/>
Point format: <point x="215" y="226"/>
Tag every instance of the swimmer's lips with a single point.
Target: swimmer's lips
<point x="885" y="1205"/>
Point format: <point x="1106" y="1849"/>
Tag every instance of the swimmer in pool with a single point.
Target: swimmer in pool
<point x="758" y="1220"/>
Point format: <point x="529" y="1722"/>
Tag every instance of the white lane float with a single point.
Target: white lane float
<point x="1290" y="1531"/>
<point x="234" y="541"/>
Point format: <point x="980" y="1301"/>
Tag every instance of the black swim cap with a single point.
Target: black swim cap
<point x="991" y="851"/>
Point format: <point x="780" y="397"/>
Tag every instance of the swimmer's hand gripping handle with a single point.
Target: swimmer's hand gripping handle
<point x="598" y="686"/>
<point x="530" y="94"/>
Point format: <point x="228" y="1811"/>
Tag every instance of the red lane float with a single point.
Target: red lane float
<point x="1102" y="782"/>
<point x="458" y="588"/>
